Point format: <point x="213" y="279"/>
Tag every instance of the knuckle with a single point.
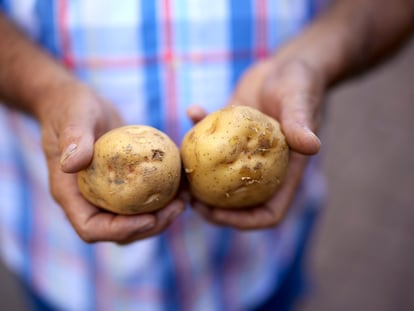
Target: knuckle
<point x="86" y="235"/>
<point x="275" y="220"/>
<point x="119" y="232"/>
<point x="71" y="130"/>
<point x="123" y="237"/>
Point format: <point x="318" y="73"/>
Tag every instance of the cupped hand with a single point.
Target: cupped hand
<point x="291" y="92"/>
<point x="72" y="117"/>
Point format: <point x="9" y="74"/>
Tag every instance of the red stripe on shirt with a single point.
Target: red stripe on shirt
<point x="171" y="83"/>
<point x="261" y="29"/>
<point x="64" y="34"/>
<point x="166" y="58"/>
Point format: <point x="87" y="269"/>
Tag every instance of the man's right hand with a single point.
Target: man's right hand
<point x="72" y="117"/>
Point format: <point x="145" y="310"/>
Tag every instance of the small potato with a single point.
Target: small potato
<point x="135" y="169"/>
<point x="236" y="157"/>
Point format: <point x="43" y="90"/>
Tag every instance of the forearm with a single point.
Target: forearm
<point x="27" y="73"/>
<point x="352" y="36"/>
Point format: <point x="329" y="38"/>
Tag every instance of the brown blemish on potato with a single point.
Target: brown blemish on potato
<point x="258" y="166"/>
<point x="131" y="168"/>
<point x="157" y="155"/>
<point x="119" y="182"/>
<point x="264" y="143"/>
<point x="228" y="160"/>
<point x="115" y="159"/>
<point x="249" y="176"/>
<point x="213" y="128"/>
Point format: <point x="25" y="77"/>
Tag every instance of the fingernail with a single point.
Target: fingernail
<point x="309" y="132"/>
<point x="147" y="226"/>
<point x="314" y="137"/>
<point x="68" y="152"/>
<point x="175" y="213"/>
<point x="316" y="142"/>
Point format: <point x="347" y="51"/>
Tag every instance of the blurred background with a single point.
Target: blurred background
<point x="362" y="253"/>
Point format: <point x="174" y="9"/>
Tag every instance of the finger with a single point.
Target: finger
<point x="93" y="225"/>
<point x="296" y="124"/>
<point x="292" y="94"/>
<point x="163" y="219"/>
<point x="105" y="226"/>
<point x="196" y="113"/>
<point x="215" y="215"/>
<point x="280" y="203"/>
<point x="259" y="217"/>
<point x="77" y="138"/>
<point x="78" y="150"/>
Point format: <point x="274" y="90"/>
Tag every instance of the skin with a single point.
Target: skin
<point x="288" y="86"/>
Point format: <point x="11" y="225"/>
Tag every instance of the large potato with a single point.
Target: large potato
<point x="236" y="157"/>
<point x="135" y="169"/>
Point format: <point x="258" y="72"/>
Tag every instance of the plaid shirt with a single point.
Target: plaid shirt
<point x="151" y="58"/>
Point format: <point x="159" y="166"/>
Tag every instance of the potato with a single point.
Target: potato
<point x="236" y="157"/>
<point x="135" y="169"/>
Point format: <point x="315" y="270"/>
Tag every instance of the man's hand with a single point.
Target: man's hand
<point x="291" y="93"/>
<point x="289" y="86"/>
<point x="72" y="118"/>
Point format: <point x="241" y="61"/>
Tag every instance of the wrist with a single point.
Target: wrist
<point x="28" y="73"/>
<point x="352" y="36"/>
<point x="49" y="96"/>
<point x="319" y="50"/>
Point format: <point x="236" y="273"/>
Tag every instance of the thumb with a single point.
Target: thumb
<point x="295" y="119"/>
<point x="76" y="144"/>
<point x="296" y="111"/>
<point x="196" y="113"/>
<point x="292" y="94"/>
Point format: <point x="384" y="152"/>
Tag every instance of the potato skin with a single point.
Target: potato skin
<point x="135" y="169"/>
<point x="235" y="157"/>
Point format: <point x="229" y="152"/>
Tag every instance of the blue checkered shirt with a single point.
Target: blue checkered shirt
<point x="150" y="58"/>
